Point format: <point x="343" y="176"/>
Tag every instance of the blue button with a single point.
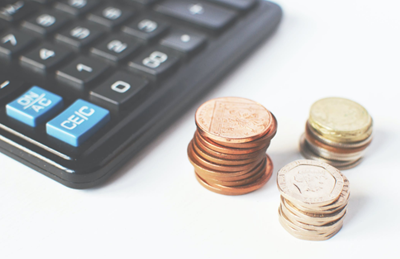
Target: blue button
<point x="35" y="106"/>
<point x="78" y="123"/>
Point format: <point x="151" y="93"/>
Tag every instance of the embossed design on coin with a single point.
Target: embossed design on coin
<point x="340" y="115"/>
<point x="310" y="182"/>
<point x="314" y="199"/>
<point x="233" y="119"/>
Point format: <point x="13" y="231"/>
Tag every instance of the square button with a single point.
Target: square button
<point x="35" y="106"/>
<point x="115" y="48"/>
<point x="183" y="41"/>
<point x="81" y="72"/>
<point x="76" y="7"/>
<point x="13" y="42"/>
<point x="46" y="22"/>
<point x="146" y="28"/>
<point x="78" y="123"/>
<point x="155" y="62"/>
<point x="110" y="15"/>
<point x="79" y="35"/>
<point x="122" y="89"/>
<point x="45" y="57"/>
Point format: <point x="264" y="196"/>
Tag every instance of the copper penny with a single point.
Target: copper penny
<point x="255" y="143"/>
<point x="218" y="167"/>
<point x="223" y="161"/>
<point x="239" y="190"/>
<point x="213" y="173"/>
<point x="233" y="119"/>
<point x="242" y="182"/>
<point x="227" y="156"/>
<point x="227" y="150"/>
<point x="237" y="180"/>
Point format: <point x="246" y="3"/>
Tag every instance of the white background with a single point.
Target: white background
<point x="154" y="207"/>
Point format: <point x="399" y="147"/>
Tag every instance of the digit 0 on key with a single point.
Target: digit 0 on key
<point x="35" y="106"/>
<point x="78" y="123"/>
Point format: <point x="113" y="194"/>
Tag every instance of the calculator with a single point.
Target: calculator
<point x="86" y="84"/>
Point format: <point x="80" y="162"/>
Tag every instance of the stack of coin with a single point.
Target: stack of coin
<point x="314" y="198"/>
<point x="228" y="150"/>
<point x="338" y="132"/>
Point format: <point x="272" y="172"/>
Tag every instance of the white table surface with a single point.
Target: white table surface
<point x="155" y="208"/>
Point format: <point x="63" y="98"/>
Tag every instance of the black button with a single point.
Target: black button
<point x="184" y="41"/>
<point x="115" y="48"/>
<point x="15" y="11"/>
<point x="120" y="90"/>
<point x="76" y="7"/>
<point x="144" y="2"/>
<point x="241" y="5"/>
<point x="45" y="57"/>
<point x="13" y="42"/>
<point x="203" y="14"/>
<point x="146" y="28"/>
<point x="8" y="86"/>
<point x="81" y="72"/>
<point x="154" y="62"/>
<point x="110" y="15"/>
<point x="45" y="22"/>
<point x="79" y="35"/>
<point x="43" y="1"/>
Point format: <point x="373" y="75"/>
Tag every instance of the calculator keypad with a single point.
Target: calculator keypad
<point x="84" y="83"/>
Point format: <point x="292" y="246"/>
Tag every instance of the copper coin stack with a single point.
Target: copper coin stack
<point x="228" y="150"/>
<point x="314" y="198"/>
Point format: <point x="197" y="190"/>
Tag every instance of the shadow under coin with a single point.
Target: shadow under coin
<point x="356" y="205"/>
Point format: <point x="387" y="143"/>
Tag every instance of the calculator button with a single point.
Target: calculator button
<point x="184" y="41"/>
<point x="203" y="14"/>
<point x="110" y="15"/>
<point x="13" y="42"/>
<point x="121" y="89"/>
<point x="45" y="23"/>
<point x="8" y="86"/>
<point x="81" y="72"/>
<point x="146" y="28"/>
<point x="78" y="123"/>
<point x="154" y="62"/>
<point x="144" y="2"/>
<point x="45" y="57"/>
<point x="115" y="48"/>
<point x="43" y="1"/>
<point x="35" y="106"/>
<point x="15" y="11"/>
<point x="79" y="35"/>
<point x="241" y="5"/>
<point x="76" y="7"/>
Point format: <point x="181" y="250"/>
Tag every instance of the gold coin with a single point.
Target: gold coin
<point x="340" y="120"/>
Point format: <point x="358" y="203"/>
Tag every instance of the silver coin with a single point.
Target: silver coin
<point x="308" y="154"/>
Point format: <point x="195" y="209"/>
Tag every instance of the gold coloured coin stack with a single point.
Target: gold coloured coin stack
<point x="314" y="198"/>
<point x="338" y="132"/>
<point x="228" y="150"/>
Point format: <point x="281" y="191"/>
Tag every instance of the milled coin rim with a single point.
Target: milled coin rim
<point x="337" y="190"/>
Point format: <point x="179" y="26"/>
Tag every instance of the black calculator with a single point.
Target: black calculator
<point x="86" y="84"/>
